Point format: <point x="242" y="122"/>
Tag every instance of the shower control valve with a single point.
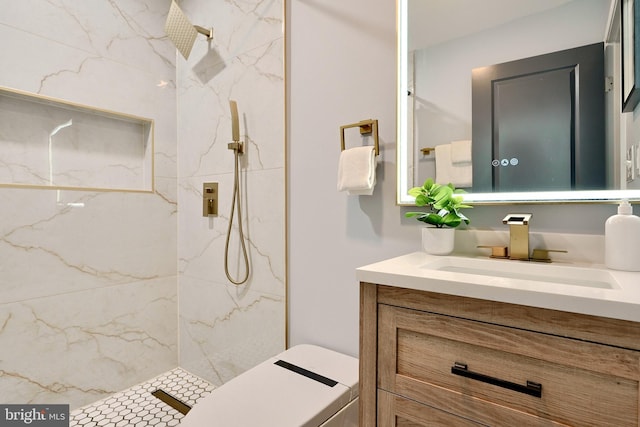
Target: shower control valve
<point x="210" y="199"/>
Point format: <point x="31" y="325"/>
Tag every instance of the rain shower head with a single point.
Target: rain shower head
<point x="181" y="31"/>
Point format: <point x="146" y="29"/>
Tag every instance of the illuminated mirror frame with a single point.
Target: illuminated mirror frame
<point x="403" y="156"/>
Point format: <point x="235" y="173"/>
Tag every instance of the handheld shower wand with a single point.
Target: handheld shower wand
<point x="235" y="123"/>
<point x="236" y="145"/>
<point x="238" y="148"/>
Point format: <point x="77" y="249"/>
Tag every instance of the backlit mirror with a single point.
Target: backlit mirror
<point x="441" y="42"/>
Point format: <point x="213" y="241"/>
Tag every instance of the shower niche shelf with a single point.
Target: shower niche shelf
<point x="51" y="143"/>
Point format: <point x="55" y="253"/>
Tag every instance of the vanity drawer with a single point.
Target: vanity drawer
<point x="396" y="411"/>
<point x="582" y="383"/>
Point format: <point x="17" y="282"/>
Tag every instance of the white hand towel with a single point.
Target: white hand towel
<point x="357" y="171"/>
<point x="460" y="152"/>
<point x="460" y="176"/>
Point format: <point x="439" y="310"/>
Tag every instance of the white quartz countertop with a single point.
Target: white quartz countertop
<point x="424" y="272"/>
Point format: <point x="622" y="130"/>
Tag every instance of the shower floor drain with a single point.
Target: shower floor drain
<point x="176" y="404"/>
<point x="142" y="406"/>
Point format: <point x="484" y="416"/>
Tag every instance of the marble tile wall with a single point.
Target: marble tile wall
<point x="225" y="329"/>
<point x="88" y="299"/>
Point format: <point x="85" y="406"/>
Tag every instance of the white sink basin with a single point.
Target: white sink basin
<point x="523" y="270"/>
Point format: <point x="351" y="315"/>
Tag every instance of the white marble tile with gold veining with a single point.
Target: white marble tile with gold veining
<point x="202" y="240"/>
<point x="78" y="347"/>
<point x="88" y="280"/>
<point x="244" y="62"/>
<point x="207" y="122"/>
<point x="119" y="31"/>
<point x="238" y="26"/>
<point x="68" y="241"/>
<point x="223" y="339"/>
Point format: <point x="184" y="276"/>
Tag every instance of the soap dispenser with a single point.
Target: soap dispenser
<point x="622" y="239"/>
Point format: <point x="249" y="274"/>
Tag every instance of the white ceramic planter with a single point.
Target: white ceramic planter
<point x="438" y="241"/>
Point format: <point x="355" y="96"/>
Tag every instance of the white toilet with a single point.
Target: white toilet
<point x="305" y="386"/>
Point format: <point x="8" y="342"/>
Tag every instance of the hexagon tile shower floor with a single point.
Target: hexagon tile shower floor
<point x="138" y="407"/>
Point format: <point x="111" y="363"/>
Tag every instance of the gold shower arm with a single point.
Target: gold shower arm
<point x="366" y="127"/>
<point x="204" y="31"/>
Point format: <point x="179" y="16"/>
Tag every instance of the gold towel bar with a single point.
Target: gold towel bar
<point x="427" y="150"/>
<point x="366" y="126"/>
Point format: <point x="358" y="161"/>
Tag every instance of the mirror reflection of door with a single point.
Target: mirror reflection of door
<point x="532" y="127"/>
<point x="533" y="122"/>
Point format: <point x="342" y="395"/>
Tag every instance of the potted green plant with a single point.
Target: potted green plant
<point x="445" y="203"/>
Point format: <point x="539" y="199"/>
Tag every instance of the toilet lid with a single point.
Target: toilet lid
<point x="338" y="366"/>
<point x="278" y="393"/>
<point x="303" y="386"/>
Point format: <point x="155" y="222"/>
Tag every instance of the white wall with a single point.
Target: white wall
<point x="341" y="65"/>
<point x="341" y="70"/>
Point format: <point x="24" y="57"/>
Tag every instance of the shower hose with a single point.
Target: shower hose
<point x="236" y="200"/>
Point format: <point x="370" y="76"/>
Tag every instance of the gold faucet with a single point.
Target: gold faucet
<point x="518" y="235"/>
<point x="519" y="241"/>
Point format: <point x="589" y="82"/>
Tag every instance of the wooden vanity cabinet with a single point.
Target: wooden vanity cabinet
<point x="430" y="359"/>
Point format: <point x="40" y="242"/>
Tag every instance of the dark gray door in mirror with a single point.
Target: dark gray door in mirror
<point x="538" y="123"/>
<point x="536" y="153"/>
